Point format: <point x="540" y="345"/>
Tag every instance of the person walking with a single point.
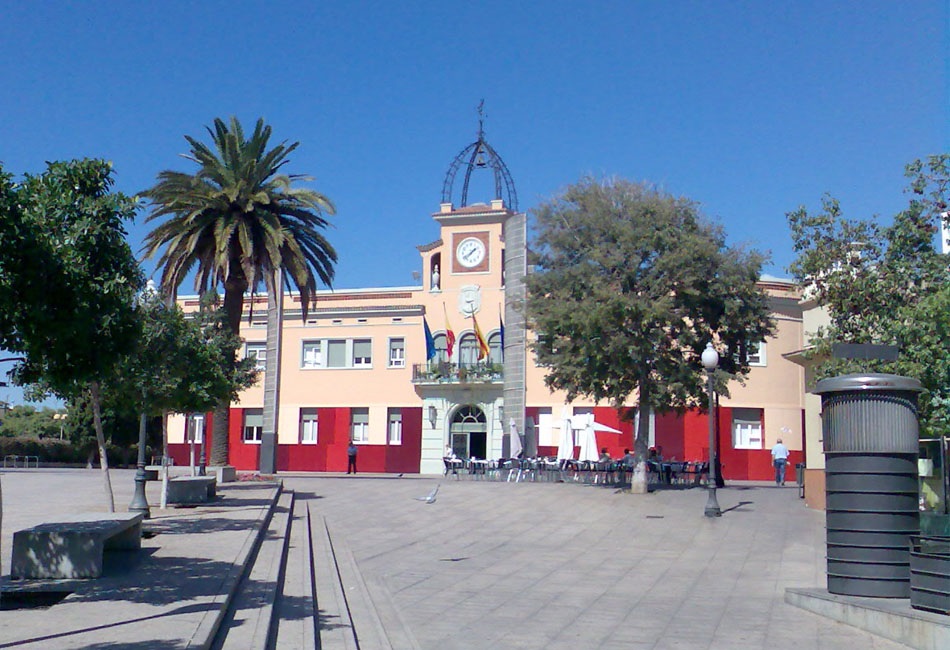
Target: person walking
<point x="351" y="458"/>
<point x="779" y="460"/>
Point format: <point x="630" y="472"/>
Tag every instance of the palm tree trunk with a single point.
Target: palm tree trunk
<point x="221" y="415"/>
<point x="101" y="441"/>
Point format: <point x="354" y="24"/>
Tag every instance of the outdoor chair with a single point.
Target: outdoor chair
<point x="452" y="465"/>
<point x="696" y="471"/>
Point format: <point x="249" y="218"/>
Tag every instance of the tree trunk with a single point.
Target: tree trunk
<point x="639" y="481"/>
<point x="233" y="309"/>
<point x="163" y="502"/>
<point x="220" y="453"/>
<point x="101" y="441"/>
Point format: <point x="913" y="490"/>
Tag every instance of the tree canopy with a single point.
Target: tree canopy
<point x="69" y="280"/>
<point x="237" y="221"/>
<point x="884" y="283"/>
<point x="631" y="283"/>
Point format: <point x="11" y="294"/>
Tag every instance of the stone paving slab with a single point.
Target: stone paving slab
<point x="170" y="594"/>
<point x="555" y="566"/>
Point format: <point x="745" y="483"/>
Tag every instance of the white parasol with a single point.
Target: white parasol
<point x="516" y="446"/>
<point x="565" y="448"/>
<point x="589" y="441"/>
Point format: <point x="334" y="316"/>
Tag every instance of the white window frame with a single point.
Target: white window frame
<point x="341" y="351"/>
<point x="256" y="431"/>
<point x="259" y="352"/>
<point x="397" y="352"/>
<point x="758" y="358"/>
<point x="312" y="354"/>
<point x="333" y="343"/>
<point x="545" y="426"/>
<point x="394" y="427"/>
<point x="495" y="352"/>
<point x="747" y="433"/>
<point x="361" y="362"/>
<point x="359" y="431"/>
<point x="309" y="426"/>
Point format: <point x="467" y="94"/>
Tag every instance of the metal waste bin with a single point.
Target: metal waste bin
<point x="870" y="430"/>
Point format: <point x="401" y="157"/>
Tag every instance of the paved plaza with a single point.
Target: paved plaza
<point x="488" y="565"/>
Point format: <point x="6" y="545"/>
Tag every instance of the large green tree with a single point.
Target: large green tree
<point x="69" y="280"/>
<point x="631" y="283"/>
<point x="236" y="222"/>
<point x="181" y="363"/>
<point x="884" y="283"/>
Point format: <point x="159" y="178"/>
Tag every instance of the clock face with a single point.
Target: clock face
<point x="470" y="252"/>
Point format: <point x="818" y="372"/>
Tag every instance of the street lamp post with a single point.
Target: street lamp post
<point x="139" y="500"/>
<point x="710" y="361"/>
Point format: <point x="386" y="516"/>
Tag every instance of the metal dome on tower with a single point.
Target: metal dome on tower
<point x="478" y="156"/>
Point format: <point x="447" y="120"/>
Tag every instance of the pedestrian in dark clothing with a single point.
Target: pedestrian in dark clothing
<point x="351" y="458"/>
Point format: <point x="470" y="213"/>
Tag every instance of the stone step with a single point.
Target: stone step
<point x="335" y="626"/>
<point x="296" y="612"/>
<point x="250" y="622"/>
<point x="353" y="612"/>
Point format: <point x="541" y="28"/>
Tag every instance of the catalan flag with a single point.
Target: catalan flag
<point x="482" y="343"/>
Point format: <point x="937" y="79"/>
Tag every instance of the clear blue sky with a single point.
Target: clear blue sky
<point x="751" y="108"/>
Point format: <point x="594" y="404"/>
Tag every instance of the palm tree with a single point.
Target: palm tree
<point x="236" y="221"/>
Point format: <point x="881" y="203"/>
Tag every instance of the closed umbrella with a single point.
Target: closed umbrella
<point x="565" y="448"/>
<point x="589" y="442"/>
<point x="516" y="447"/>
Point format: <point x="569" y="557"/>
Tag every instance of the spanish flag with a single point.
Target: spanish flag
<point x="449" y="335"/>
<point x="482" y="344"/>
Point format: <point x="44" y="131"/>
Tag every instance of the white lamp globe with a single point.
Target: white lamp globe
<point x="710" y="357"/>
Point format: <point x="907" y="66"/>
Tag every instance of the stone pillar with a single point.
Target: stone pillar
<point x="515" y="232"/>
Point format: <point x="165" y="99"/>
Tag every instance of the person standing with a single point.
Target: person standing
<point x="351" y="458"/>
<point x="779" y="460"/>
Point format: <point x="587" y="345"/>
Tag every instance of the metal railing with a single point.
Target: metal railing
<point x="442" y="372"/>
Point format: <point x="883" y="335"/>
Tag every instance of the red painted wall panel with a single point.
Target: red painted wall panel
<point x="405" y="457"/>
<point x="243" y="456"/>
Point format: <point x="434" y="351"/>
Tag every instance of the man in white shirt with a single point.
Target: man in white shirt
<point x="780" y="460"/>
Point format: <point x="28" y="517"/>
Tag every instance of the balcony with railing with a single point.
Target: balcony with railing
<point x="442" y="372"/>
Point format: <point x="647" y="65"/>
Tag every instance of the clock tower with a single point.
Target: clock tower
<point x="475" y="277"/>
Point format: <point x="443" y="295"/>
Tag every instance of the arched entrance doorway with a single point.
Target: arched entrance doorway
<point x="469" y="432"/>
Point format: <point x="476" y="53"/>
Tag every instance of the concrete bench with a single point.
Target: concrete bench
<point x="187" y="490"/>
<point x="73" y="545"/>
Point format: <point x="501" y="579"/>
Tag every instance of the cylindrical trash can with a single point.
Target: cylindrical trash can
<point x="869" y="425"/>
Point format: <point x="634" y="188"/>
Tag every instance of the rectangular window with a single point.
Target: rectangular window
<point x="257" y="351"/>
<point x="397" y="353"/>
<point x="546" y="427"/>
<point x="362" y="353"/>
<point x="395" y="426"/>
<point x="336" y="353"/>
<point x="746" y="428"/>
<point x="312" y="354"/>
<point x="757" y="354"/>
<point x="196" y="428"/>
<point x="308" y="426"/>
<point x="253" y="425"/>
<point x="359" y="424"/>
